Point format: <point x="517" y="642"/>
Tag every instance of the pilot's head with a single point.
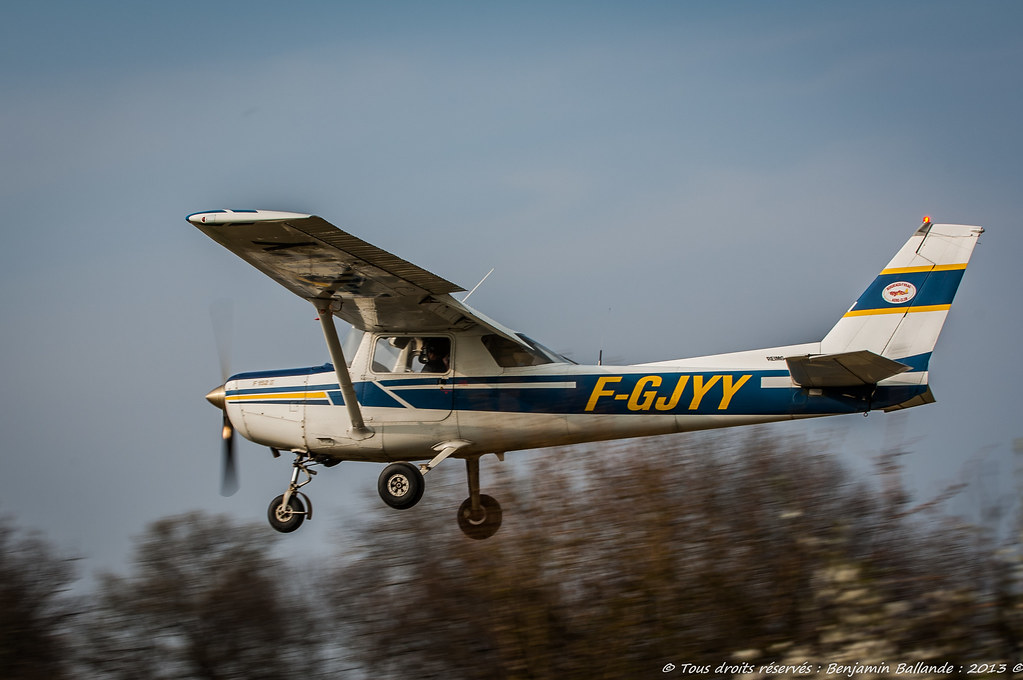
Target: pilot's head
<point x="436" y="348"/>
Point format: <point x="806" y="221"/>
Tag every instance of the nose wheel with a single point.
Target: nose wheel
<point x="285" y="517"/>
<point x="288" y="511"/>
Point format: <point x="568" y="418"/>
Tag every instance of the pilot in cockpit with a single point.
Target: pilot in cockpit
<point x="436" y="355"/>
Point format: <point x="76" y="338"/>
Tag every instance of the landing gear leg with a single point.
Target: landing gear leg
<point x="479" y="516"/>
<point x="287" y="512"/>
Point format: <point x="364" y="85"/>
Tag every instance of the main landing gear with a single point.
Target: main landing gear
<point x="400" y="485"/>
<point x="479" y="516"/>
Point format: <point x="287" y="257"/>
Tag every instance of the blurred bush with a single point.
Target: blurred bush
<point x="616" y="560"/>
<point x="613" y="561"/>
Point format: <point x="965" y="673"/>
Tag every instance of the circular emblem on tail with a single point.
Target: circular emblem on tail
<point x="899" y="292"/>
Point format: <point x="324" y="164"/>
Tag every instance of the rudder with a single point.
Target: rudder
<point x="901" y="313"/>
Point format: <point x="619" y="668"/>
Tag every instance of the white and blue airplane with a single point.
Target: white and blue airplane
<point x="424" y="377"/>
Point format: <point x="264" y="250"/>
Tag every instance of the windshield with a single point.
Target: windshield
<point x="554" y="356"/>
<point x="350" y="345"/>
<point x="510" y="354"/>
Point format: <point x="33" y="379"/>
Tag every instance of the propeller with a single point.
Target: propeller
<point x="222" y="314"/>
<point x="229" y="475"/>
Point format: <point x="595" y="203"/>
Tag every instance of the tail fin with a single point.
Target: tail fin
<point x="901" y="313"/>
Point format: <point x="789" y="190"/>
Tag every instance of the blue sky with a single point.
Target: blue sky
<point x="659" y="179"/>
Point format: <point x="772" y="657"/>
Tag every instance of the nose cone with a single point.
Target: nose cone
<point x="217" y="396"/>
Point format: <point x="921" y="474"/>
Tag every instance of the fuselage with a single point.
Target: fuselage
<point x="501" y="397"/>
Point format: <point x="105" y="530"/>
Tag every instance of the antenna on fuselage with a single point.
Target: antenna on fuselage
<point x="478" y="284"/>
<point x="600" y="353"/>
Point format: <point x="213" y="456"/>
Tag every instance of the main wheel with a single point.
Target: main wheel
<point x="483" y="525"/>
<point x="401" y="485"/>
<point x="286" y="518"/>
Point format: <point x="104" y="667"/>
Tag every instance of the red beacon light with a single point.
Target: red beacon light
<point x="927" y="219"/>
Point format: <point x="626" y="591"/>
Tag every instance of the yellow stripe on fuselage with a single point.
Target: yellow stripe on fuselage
<point x="898" y="310"/>
<point x="278" y="395"/>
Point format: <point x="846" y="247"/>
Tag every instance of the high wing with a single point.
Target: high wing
<point x="315" y="260"/>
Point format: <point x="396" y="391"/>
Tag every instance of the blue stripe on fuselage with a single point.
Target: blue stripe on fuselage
<point x="674" y="393"/>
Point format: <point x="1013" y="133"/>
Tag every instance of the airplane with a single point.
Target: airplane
<point x="424" y="377"/>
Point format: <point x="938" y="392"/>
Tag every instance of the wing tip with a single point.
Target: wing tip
<point x="242" y="216"/>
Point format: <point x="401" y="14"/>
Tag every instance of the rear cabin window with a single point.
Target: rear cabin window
<point x="510" y="354"/>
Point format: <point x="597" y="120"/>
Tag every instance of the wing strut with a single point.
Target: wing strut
<point x="326" y="309"/>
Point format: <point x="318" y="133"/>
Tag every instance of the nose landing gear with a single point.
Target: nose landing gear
<point x="287" y="512"/>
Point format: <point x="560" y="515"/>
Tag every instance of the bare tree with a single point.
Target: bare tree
<point x="613" y="565"/>
<point x="35" y="611"/>
<point x="731" y="549"/>
<point x="205" y="600"/>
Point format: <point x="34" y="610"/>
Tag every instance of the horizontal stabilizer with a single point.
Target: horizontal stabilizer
<point x="848" y="369"/>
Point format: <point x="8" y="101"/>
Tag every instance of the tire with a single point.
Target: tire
<point x="401" y="485"/>
<point x="482" y="527"/>
<point x="286" y="519"/>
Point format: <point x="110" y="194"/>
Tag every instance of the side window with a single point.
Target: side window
<point x="510" y="354"/>
<point x="408" y="354"/>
